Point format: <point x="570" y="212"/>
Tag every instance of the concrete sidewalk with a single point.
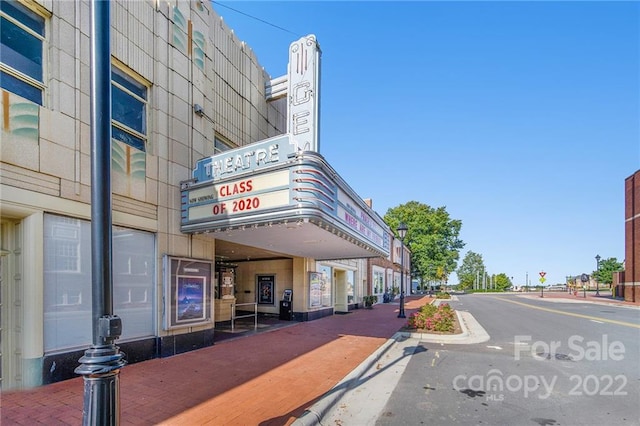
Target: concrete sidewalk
<point x="562" y="296"/>
<point x="362" y="395"/>
<point x="269" y="378"/>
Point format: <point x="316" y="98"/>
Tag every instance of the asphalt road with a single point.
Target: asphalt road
<point x="547" y="363"/>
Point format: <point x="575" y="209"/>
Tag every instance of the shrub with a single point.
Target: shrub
<point x="369" y="301"/>
<point x="432" y="318"/>
<point x="443" y="295"/>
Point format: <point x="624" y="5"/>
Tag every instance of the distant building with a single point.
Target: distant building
<point x="627" y="283"/>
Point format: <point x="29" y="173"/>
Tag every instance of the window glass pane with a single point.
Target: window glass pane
<point x="351" y="286"/>
<point x="326" y="285"/>
<point x="128" y="138"/>
<point x="20" y="88"/>
<point x="378" y="282"/>
<point x="129" y="83"/>
<point x="67" y="282"/>
<point x="221" y="146"/>
<point x="128" y="110"/>
<point x="21" y="50"/>
<point x="22" y="14"/>
<point x="133" y="281"/>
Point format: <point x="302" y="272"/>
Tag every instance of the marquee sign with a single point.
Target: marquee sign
<point x="303" y="188"/>
<point x="246" y="159"/>
<point x="360" y="221"/>
<point x="239" y="196"/>
<point x="303" y="94"/>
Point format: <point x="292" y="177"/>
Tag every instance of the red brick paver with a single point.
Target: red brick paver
<point x="269" y="378"/>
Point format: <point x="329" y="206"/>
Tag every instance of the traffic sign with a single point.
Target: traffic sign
<point x="542" y="274"/>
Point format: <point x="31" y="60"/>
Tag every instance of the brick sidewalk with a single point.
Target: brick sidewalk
<point x="268" y="378"/>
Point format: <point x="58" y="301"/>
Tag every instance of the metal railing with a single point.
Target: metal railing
<point x="234" y="317"/>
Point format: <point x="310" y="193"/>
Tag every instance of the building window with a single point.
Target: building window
<point x="378" y="282"/>
<point x="221" y="145"/>
<point x="65" y="239"/>
<point x="351" y="279"/>
<point x="128" y="109"/>
<point x="326" y="285"/>
<point x="22" y="34"/>
<point x="67" y="282"/>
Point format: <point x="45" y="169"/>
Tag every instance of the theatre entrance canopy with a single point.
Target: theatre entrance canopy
<point x="272" y="196"/>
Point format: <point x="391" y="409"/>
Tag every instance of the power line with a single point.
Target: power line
<point x="256" y="18"/>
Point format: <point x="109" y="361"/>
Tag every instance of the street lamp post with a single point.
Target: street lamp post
<point x="597" y="274"/>
<point x="402" y="231"/>
<point x="100" y="366"/>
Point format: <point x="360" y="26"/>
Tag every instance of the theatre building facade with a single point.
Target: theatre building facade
<point x="221" y="199"/>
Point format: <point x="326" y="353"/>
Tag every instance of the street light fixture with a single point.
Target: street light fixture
<point x="597" y="274"/>
<point x="402" y="231"/>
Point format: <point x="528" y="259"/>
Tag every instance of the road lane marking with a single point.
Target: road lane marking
<point x="494" y="347"/>
<point x="571" y="314"/>
<point x="599" y="322"/>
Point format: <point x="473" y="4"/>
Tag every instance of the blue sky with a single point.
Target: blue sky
<point x="521" y="118"/>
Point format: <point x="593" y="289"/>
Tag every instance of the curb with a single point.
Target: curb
<point x="327" y="402"/>
<point x="472" y="332"/>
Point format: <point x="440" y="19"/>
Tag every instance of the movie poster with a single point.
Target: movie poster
<point x="190" y="294"/>
<point x="266" y="284"/>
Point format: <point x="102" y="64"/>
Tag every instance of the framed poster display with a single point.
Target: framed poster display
<point x="187" y="292"/>
<point x="266" y="289"/>
<point x="315" y="289"/>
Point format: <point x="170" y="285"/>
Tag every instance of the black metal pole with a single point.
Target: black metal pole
<point x="401" y="313"/>
<point x="101" y="363"/>
<point x="597" y="275"/>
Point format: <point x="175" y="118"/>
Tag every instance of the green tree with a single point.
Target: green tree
<point x="471" y="266"/>
<point x="604" y="274"/>
<point x="502" y="281"/>
<point x="432" y="238"/>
